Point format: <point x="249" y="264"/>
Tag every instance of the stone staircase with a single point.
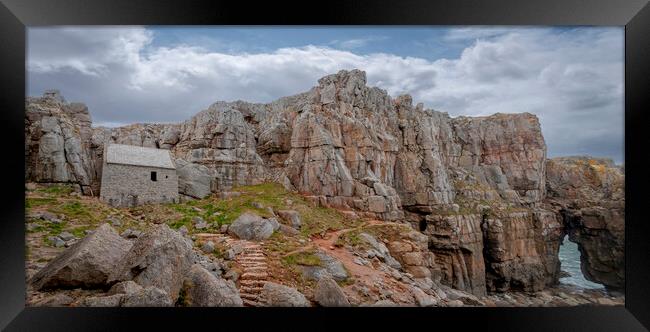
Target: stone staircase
<point x="253" y="263"/>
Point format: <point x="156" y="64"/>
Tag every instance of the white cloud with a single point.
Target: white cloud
<point x="573" y="80"/>
<point x="350" y="44"/>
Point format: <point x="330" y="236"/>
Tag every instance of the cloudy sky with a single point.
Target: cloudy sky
<point x="571" y="77"/>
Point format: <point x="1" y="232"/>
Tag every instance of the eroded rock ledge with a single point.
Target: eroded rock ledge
<point x="476" y="186"/>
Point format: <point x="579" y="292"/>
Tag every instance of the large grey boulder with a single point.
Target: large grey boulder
<point x="203" y="289"/>
<point x="250" y="226"/>
<point x="159" y="258"/>
<point x="147" y="297"/>
<point x="292" y="217"/>
<point x="277" y="295"/>
<point x="329" y="294"/>
<point x="329" y="266"/>
<point x="193" y="179"/>
<point x="88" y="263"/>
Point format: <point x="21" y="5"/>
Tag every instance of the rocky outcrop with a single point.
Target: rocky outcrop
<point x="476" y="187"/>
<point x="160" y="258"/>
<point x="58" y="142"/>
<point x="457" y="242"/>
<point x="87" y="264"/>
<point x="589" y="194"/>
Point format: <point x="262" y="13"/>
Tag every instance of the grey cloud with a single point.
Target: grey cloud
<point x="572" y="80"/>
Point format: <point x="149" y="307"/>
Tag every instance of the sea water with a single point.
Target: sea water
<point x="570" y="262"/>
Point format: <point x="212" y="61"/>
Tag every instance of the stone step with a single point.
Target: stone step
<point x="255" y="269"/>
<point x="251" y="259"/>
<point x="253" y="297"/>
<point x="254" y="266"/>
<point x="254" y="275"/>
<point x="250" y="303"/>
<point x="250" y="290"/>
<point x="244" y="283"/>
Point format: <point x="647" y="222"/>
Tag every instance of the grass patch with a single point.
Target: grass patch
<point x="39" y="201"/>
<point x="56" y="190"/>
<point x="267" y="195"/>
<point x="80" y="232"/>
<point x="305" y="258"/>
<point x="54" y="229"/>
<point x="351" y="238"/>
<point x="75" y="209"/>
<point x="176" y="224"/>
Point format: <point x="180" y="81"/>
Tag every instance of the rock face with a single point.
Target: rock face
<point x="160" y="258"/>
<point x="589" y="194"/>
<point x="480" y="189"/>
<point x="58" y="142"/>
<point x="87" y="264"/>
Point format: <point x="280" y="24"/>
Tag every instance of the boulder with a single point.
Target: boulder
<point x="193" y="179"/>
<point x="277" y="295"/>
<point x="124" y="287"/>
<point x="159" y="258"/>
<point x="103" y="301"/>
<point x="147" y="297"/>
<point x="333" y="266"/>
<point x="423" y="299"/>
<point x="329" y="294"/>
<point x="203" y="289"/>
<point x="329" y="267"/>
<point x="88" y="263"/>
<point x="250" y="226"/>
<point x="292" y="217"/>
<point x="66" y="236"/>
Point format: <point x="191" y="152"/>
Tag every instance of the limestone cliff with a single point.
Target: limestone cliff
<point x="589" y="194"/>
<point x="57" y="142"/>
<point x="474" y="185"/>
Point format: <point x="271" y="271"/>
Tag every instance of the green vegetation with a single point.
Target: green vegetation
<point x="307" y="258"/>
<point x="56" y="190"/>
<point x="217" y="212"/>
<point x="32" y="202"/>
<point x="80" y="231"/>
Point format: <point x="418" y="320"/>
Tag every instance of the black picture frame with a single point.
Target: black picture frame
<point x="16" y="15"/>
